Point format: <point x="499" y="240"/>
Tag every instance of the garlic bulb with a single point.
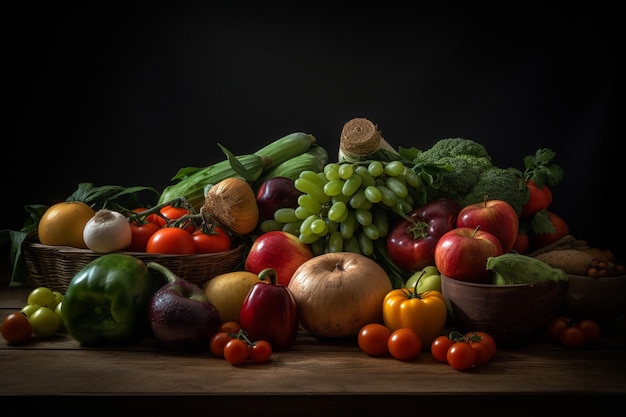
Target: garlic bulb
<point x="107" y="231"/>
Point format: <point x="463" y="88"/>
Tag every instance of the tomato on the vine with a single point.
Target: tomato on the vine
<point x="218" y="341"/>
<point x="152" y="218"/>
<point x="464" y="351"/>
<point x="573" y="334"/>
<point x="461" y="356"/>
<point x="174" y="213"/>
<point x="539" y="199"/>
<point x="260" y="351"/>
<point x="236" y="351"/>
<point x="560" y="229"/>
<point x="556" y="327"/>
<point x="591" y="329"/>
<point x="572" y="337"/>
<point x="140" y="235"/>
<point x="482" y="338"/>
<point x="404" y="344"/>
<point x="215" y="241"/>
<point x="229" y="327"/>
<point x="171" y="240"/>
<point x="439" y="348"/>
<point x="372" y="339"/>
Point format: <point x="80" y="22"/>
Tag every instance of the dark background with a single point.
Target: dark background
<point x="127" y="94"/>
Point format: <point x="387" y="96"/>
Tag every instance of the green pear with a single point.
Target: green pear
<point x="430" y="279"/>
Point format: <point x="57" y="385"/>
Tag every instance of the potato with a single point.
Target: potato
<point x="572" y="261"/>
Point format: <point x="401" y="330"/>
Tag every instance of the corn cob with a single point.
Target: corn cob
<point x="285" y="148"/>
<point x="313" y="159"/>
<point x="192" y="187"/>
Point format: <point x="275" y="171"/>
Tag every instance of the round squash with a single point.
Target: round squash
<point x="338" y="293"/>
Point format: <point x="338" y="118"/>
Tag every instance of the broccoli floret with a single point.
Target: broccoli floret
<point x="472" y="175"/>
<point x="455" y="147"/>
<point x="468" y="159"/>
<point x="499" y="184"/>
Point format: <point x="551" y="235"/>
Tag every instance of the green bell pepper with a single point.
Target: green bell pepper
<point x="107" y="300"/>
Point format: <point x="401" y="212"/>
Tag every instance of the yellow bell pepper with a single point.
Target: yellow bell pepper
<point x="425" y="312"/>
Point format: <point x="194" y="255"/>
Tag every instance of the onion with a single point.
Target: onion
<point x="107" y="231"/>
<point x="232" y="203"/>
<point x="338" y="293"/>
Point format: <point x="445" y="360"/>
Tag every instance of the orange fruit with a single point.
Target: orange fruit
<point x="62" y="224"/>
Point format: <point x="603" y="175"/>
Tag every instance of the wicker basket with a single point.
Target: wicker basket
<point x="54" y="266"/>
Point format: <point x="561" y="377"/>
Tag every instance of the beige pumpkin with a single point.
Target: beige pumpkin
<point x="338" y="293"/>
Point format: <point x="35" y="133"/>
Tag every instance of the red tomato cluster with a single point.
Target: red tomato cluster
<point x="231" y="343"/>
<point x="539" y="226"/>
<point x="573" y="334"/>
<point x="162" y="235"/>
<point x="376" y="339"/>
<point x="464" y="351"/>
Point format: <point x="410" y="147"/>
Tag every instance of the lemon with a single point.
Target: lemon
<point x="62" y="224"/>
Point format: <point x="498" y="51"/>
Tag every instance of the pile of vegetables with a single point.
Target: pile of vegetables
<point x="345" y="213"/>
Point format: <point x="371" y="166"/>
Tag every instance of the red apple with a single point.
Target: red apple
<point x="275" y="193"/>
<point x="462" y="254"/>
<point x="494" y="216"/>
<point x="281" y="251"/>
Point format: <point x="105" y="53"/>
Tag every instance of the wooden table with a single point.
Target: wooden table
<point x="311" y="378"/>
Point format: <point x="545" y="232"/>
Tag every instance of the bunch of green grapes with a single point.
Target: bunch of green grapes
<point x="348" y="205"/>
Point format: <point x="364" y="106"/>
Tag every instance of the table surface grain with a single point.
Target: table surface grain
<point x="313" y="376"/>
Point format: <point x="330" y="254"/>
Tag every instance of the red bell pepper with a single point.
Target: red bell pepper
<point x="269" y="312"/>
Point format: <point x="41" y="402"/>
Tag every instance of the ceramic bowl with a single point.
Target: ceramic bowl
<point x="602" y="299"/>
<point x="513" y="314"/>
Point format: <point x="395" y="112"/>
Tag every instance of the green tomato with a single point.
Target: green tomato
<point x="29" y="309"/>
<point x="45" y="322"/>
<point x="58" y="296"/>
<point x="43" y="296"/>
<point x="430" y="270"/>
<point x="429" y="283"/>
<point x="426" y="271"/>
<point x="57" y="311"/>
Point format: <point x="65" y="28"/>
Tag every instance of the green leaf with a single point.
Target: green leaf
<point x="540" y="223"/>
<point x="185" y="173"/>
<point x="113" y="197"/>
<point x="237" y="166"/>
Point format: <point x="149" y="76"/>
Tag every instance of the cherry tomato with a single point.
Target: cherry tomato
<point x="260" y="351"/>
<point x="141" y="233"/>
<point x="539" y="199"/>
<point x="16" y="328"/>
<point x="461" y="356"/>
<point x="556" y="328"/>
<point x="173" y="213"/>
<point x="522" y="242"/>
<point x="218" y="341"/>
<point x="171" y="240"/>
<point x="236" y="351"/>
<point x="404" y="344"/>
<point x="152" y="218"/>
<point x="439" y="348"/>
<point x="229" y="327"/>
<point x="484" y="339"/>
<point x="561" y="228"/>
<point x="216" y="241"/>
<point x="482" y="353"/>
<point x="573" y="337"/>
<point x="372" y="339"/>
<point x="591" y="330"/>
